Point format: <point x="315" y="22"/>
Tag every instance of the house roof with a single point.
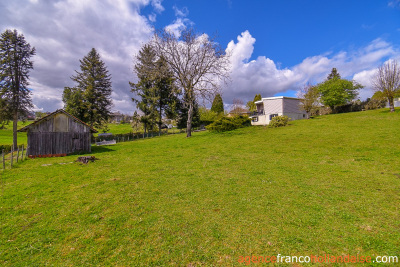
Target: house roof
<point x="24" y="129"/>
<point x="275" y="97"/>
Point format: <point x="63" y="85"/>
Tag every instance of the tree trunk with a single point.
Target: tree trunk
<point x="391" y="104"/>
<point x="189" y="121"/>
<point x="159" y="123"/>
<point x="15" y="126"/>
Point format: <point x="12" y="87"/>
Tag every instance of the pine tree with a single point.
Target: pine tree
<point x="145" y="87"/>
<point x="155" y="90"/>
<point x="251" y="105"/>
<point x="334" y="74"/>
<point x="218" y="104"/>
<point x="15" y="64"/>
<point x="90" y="100"/>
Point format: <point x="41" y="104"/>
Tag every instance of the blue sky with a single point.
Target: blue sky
<point x="290" y="31"/>
<point x="277" y="46"/>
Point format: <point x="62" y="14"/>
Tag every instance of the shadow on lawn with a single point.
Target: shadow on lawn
<point x="101" y="149"/>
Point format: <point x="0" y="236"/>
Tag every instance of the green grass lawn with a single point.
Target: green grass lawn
<point x="6" y="135"/>
<point x="326" y="185"/>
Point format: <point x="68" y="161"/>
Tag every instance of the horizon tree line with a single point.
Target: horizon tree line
<point x="174" y="73"/>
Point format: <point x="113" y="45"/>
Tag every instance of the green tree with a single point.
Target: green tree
<point x="184" y="111"/>
<point x="251" y="105"/>
<point x="165" y="91"/>
<point x="15" y="64"/>
<point x="155" y="90"/>
<point x="334" y="74"/>
<point x="309" y="99"/>
<point x="387" y="81"/>
<point x="217" y="104"/>
<point x="208" y="116"/>
<point x="90" y="100"/>
<point x="336" y="91"/>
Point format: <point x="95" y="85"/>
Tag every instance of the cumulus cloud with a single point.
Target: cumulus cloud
<point x="63" y="32"/>
<point x="180" y="23"/>
<point x="262" y="75"/>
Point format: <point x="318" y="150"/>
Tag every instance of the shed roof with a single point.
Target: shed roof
<point x="24" y="129"/>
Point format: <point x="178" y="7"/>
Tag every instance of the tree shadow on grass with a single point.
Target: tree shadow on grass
<point x="101" y="149"/>
<point x="387" y="110"/>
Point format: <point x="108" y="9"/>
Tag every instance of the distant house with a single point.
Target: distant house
<point x="396" y="102"/>
<point x="116" y="117"/>
<point x="269" y="107"/>
<point x="58" y="134"/>
<point x="239" y="111"/>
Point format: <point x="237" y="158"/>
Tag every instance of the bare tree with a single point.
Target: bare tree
<point x="198" y="64"/>
<point x="238" y="107"/>
<point x="387" y="81"/>
<point x="309" y="98"/>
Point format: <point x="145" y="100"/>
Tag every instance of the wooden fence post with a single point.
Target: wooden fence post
<point x="4" y="163"/>
<point x="22" y="156"/>
<point x="12" y="155"/>
<point x="17" y="153"/>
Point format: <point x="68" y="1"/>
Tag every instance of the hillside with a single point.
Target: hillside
<point x="325" y="185"/>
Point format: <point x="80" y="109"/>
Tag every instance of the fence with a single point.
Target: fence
<point x="139" y="135"/>
<point x="12" y="156"/>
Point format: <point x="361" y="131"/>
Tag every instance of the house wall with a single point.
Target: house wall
<point x="281" y="106"/>
<point x="273" y="106"/>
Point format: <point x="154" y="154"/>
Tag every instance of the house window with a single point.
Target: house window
<point x="304" y="115"/>
<point x="272" y="115"/>
<point x="254" y="119"/>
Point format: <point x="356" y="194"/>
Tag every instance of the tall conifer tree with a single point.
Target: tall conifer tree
<point x="90" y="100"/>
<point x="15" y="64"/>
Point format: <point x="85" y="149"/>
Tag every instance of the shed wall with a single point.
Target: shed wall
<point x="51" y="143"/>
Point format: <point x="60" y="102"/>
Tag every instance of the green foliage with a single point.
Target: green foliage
<point x="155" y="92"/>
<point x="279" y="121"/>
<point x="90" y="100"/>
<point x="15" y="64"/>
<point x="183" y="113"/>
<point x="336" y="92"/>
<point x="6" y="148"/>
<point x="208" y="116"/>
<point x="375" y="103"/>
<point x="229" y="123"/>
<point x="217" y="105"/>
<point x="251" y="105"/>
<point x="309" y="99"/>
<point x="334" y="74"/>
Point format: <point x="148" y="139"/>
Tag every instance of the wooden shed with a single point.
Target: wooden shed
<point x="58" y="134"/>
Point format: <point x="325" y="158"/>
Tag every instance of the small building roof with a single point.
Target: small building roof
<point x="275" y="97"/>
<point x="26" y="128"/>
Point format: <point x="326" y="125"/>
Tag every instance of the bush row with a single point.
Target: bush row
<point x="229" y="123"/>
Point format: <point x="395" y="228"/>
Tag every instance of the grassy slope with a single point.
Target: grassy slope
<point x="6" y="135"/>
<point x="327" y="185"/>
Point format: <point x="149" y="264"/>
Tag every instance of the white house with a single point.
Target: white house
<point x="269" y="107"/>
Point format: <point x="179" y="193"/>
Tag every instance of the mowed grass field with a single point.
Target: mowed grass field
<point x="325" y="185"/>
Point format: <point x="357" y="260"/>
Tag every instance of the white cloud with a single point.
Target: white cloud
<point x="261" y="75"/>
<point x="183" y="12"/>
<point x="180" y="23"/>
<point x="63" y="32"/>
<point x="157" y="5"/>
<point x="178" y="26"/>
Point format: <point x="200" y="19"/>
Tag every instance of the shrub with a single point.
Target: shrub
<point x="228" y="124"/>
<point x="7" y="148"/>
<point x="375" y="104"/>
<point x="278" y="121"/>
